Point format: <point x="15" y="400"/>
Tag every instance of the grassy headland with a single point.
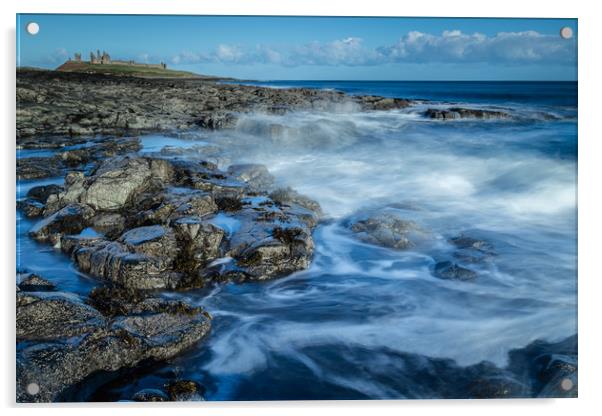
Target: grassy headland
<point x="128" y="70"/>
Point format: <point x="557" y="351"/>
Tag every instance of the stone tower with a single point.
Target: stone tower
<point x="106" y="58"/>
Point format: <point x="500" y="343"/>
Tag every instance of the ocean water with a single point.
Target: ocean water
<point x="342" y="328"/>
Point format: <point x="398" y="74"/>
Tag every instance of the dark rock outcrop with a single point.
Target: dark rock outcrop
<point x="41" y="193"/>
<point x="454" y="113"/>
<point x="123" y="105"/>
<point x="56" y="165"/>
<point x="71" y="219"/>
<point x="149" y="223"/>
<point x="451" y="271"/>
<point x="255" y="176"/>
<point x="184" y="390"/>
<point x="38" y="167"/>
<point x="73" y="340"/>
<point x="31" y="282"/>
<point x="387" y="229"/>
<point x="175" y="391"/>
<point x="51" y="315"/>
<point x="150" y="395"/>
<point x="472" y="250"/>
<point x="30" y="207"/>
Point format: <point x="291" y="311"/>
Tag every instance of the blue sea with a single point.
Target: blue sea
<point x="339" y="330"/>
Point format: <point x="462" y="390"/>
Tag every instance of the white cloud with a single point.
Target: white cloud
<point x="188" y="57"/>
<point x="349" y="51"/>
<point x="506" y="47"/>
<point x="451" y="46"/>
<point x="230" y="53"/>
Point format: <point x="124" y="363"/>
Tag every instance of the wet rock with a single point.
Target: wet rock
<point x="496" y="387"/>
<point x="200" y="242"/>
<point x="117" y="180"/>
<point x="51" y="315"/>
<point x="271" y="258"/>
<point x="270" y="243"/>
<point x="557" y="374"/>
<point x="217" y="120"/>
<point x="155" y="241"/>
<point x="389" y="103"/>
<point x="288" y="196"/>
<point x="114" y="301"/>
<point x="466" y="242"/>
<point x="222" y="270"/>
<point x="30" y="282"/>
<point x="174" y="390"/>
<point x="206" y="177"/>
<point x="173" y="203"/>
<point x="38" y="167"/>
<point x="87" y="238"/>
<point x="458" y="113"/>
<point x="79" y="341"/>
<point x="30" y="207"/>
<point x="195" y="203"/>
<point x="164" y="330"/>
<point x="451" y="271"/>
<point x="41" y="193"/>
<point x="70" y="220"/>
<point x="257" y="177"/>
<point x="111" y="224"/>
<point x="150" y="395"/>
<point x="379" y="103"/>
<point x="74" y="187"/>
<point x="43" y="167"/>
<point x="388" y="230"/>
<point x="128" y="105"/>
<point x="49" y="142"/>
<point x="117" y="147"/>
<point x="103" y="149"/>
<point x="184" y="390"/>
<point x="229" y="204"/>
<point x="551" y="368"/>
<point x="472" y="250"/>
<point x="74" y="158"/>
<point x="120" y="264"/>
<point x="111" y="186"/>
<point x="151" y="226"/>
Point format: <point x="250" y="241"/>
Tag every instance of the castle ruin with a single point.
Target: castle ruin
<point x="105" y="59"/>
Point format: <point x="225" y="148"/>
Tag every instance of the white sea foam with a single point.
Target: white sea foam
<point x="502" y="180"/>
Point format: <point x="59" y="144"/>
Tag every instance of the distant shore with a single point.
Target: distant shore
<point x="74" y="103"/>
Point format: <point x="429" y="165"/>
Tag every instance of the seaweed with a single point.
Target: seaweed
<point x="287" y="235"/>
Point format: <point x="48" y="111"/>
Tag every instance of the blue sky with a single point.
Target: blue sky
<point x="317" y="48"/>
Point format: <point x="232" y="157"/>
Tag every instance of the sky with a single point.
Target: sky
<point x="313" y="48"/>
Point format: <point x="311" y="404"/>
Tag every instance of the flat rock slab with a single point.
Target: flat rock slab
<point x="74" y="340"/>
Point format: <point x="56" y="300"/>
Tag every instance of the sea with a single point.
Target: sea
<point x="345" y="327"/>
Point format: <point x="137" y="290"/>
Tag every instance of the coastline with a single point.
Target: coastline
<point x="153" y="220"/>
<point x="69" y="103"/>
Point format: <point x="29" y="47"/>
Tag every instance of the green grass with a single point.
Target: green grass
<point x="126" y="70"/>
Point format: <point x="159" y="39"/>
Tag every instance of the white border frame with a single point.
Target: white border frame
<point x="590" y="25"/>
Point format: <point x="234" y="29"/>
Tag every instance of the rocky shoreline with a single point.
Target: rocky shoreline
<point x="144" y="224"/>
<point x="141" y="224"/>
<point x="80" y="104"/>
<point x="61" y="103"/>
